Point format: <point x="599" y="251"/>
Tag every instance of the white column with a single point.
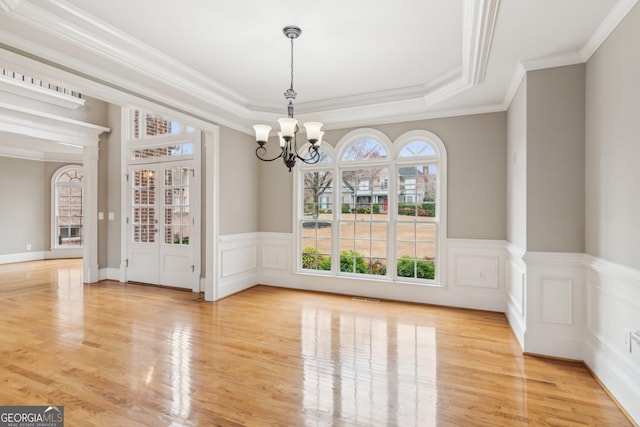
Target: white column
<point x="211" y="180"/>
<point x="90" y="226"/>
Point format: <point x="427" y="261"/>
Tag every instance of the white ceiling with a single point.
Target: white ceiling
<point x="357" y="62"/>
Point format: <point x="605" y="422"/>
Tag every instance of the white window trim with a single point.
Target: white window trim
<point x="161" y="139"/>
<point x="440" y="158"/>
<point x="71" y="249"/>
<point x="392" y="162"/>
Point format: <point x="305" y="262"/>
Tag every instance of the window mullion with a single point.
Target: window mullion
<point x="393" y="222"/>
<point x="337" y="216"/>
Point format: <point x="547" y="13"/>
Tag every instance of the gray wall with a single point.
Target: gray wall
<point x="94" y="111"/>
<point x="109" y="185"/>
<point x="555" y="159"/>
<point x="25" y="213"/>
<point x="613" y="146"/>
<point x="517" y="168"/>
<point x="276" y="196"/>
<point x="239" y="200"/>
<point x="545" y="161"/>
<point x="476" y="150"/>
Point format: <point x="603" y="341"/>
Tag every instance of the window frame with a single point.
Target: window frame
<point x="439" y="158"/>
<point x="392" y="162"/>
<point x="55" y="185"/>
<point x="298" y="216"/>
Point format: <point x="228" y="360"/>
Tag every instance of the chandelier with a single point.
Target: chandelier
<point x="289" y="126"/>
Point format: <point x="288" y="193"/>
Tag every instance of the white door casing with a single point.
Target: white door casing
<point x="160" y="228"/>
<point x="161" y="240"/>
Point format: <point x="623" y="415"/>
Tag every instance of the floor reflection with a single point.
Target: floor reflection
<point x="124" y="354"/>
<point x="69" y="309"/>
<point x="367" y="371"/>
<point x="180" y="342"/>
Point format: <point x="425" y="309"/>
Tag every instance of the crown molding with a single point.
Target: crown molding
<point x="207" y="98"/>
<point x="37" y="124"/>
<point x="608" y="25"/>
<point x="211" y="102"/>
<point x="453" y="87"/>
<point x="398" y="113"/>
<point x="479" y="20"/>
<point x="518" y="75"/>
<point x="75" y="26"/>
<point x="522" y="68"/>
<point x="29" y="90"/>
<point x="569" y="58"/>
<point x="381" y="97"/>
<point x="67" y="23"/>
<point x="97" y="83"/>
<point x="604" y="30"/>
<point x="478" y="27"/>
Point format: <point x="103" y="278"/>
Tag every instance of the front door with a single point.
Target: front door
<point x="161" y="249"/>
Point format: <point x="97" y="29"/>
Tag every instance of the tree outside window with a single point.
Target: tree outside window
<point x="389" y="216"/>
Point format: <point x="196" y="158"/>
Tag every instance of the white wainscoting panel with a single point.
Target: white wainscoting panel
<point x="276" y="251"/>
<point x="277" y="261"/>
<point x="555" y="304"/>
<point x="613" y="310"/>
<point x="476" y="271"/>
<point x="476" y="263"/>
<point x="479" y="271"/>
<point x="238" y="263"/>
<point x="556" y="300"/>
<point x="474" y="259"/>
<point x="237" y="260"/>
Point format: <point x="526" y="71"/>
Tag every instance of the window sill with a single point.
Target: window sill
<point x="378" y="279"/>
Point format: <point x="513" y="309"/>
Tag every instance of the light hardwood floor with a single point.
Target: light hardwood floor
<point x="128" y="355"/>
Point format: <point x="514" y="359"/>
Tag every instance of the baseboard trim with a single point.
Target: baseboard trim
<point x="613" y="398"/>
<point x="22" y="257"/>
<point x="556" y="358"/>
<point x="109" y="274"/>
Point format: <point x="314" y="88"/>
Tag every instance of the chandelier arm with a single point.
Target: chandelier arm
<point x="314" y="157"/>
<point x="261" y="151"/>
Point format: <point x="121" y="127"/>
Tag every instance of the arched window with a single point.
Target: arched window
<point x="420" y="169"/>
<point x="67" y="207"/>
<point x="375" y="208"/>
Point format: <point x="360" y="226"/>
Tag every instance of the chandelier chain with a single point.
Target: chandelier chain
<point x="292" y="64"/>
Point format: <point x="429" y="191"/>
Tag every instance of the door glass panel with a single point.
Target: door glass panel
<point x="177" y="220"/>
<point x="143" y="218"/>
